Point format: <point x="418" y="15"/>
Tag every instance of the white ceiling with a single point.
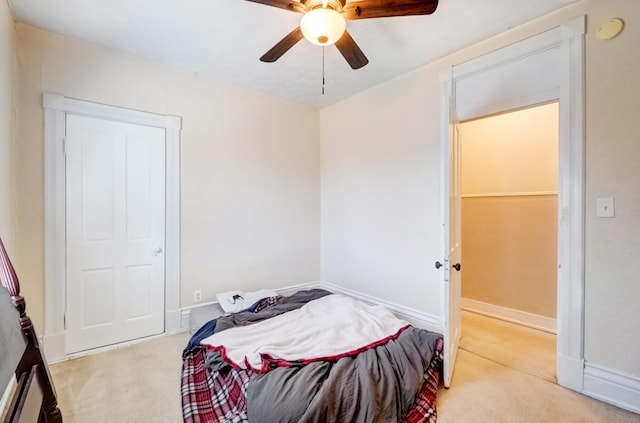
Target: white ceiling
<point x="225" y="38"/>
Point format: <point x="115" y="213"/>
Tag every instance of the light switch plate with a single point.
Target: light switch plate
<point x="605" y="207"/>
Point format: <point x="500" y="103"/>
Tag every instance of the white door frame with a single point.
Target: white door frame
<point x="56" y="107"/>
<point x="568" y="39"/>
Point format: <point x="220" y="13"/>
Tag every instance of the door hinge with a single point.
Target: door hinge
<point x="64" y="146"/>
<point x="64" y="321"/>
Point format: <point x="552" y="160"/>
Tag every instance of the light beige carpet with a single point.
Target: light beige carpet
<point x="485" y="391"/>
<point x="521" y="348"/>
<point x="138" y="383"/>
<point x="141" y="383"/>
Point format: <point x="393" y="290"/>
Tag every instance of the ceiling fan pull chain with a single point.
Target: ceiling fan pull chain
<point x="322" y="70"/>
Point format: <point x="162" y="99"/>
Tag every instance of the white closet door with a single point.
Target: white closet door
<point x="115" y="223"/>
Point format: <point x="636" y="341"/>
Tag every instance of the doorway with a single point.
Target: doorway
<point x="543" y="68"/>
<point x="509" y="188"/>
<point x="56" y="110"/>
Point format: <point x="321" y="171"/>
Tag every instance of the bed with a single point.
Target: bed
<point x="313" y="356"/>
<point x="26" y="390"/>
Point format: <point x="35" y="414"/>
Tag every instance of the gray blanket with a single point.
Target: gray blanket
<point x="377" y="385"/>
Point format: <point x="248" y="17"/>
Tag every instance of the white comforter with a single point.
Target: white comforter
<point x="327" y="328"/>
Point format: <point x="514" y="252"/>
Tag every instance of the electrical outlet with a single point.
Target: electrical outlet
<point x="197" y="295"/>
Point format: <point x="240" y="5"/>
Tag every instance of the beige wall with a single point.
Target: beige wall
<point x="381" y="184"/>
<point x="512" y="152"/>
<point x="249" y="166"/>
<point x="509" y="252"/>
<point x="7" y="123"/>
<point x="380" y="191"/>
<point x="509" y="209"/>
<point x="612" y="246"/>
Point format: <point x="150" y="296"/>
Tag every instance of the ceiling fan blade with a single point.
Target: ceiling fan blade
<point x="351" y="52"/>
<point x="292" y="5"/>
<point x="365" y="9"/>
<point x="283" y="46"/>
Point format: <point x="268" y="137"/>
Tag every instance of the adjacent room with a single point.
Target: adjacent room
<point x="465" y="175"/>
<point x="509" y="235"/>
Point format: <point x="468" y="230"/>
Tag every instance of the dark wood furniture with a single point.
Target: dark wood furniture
<point x="34" y="397"/>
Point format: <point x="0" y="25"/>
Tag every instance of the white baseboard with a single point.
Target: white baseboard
<point x="570" y="372"/>
<point x="54" y="347"/>
<point x="416" y="318"/>
<point x="287" y="290"/>
<point x="295" y="288"/>
<point x="613" y="387"/>
<point x="185" y="318"/>
<point x="173" y="321"/>
<point x="523" y="318"/>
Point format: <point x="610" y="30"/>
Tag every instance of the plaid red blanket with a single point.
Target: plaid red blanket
<point x="423" y="409"/>
<point x="220" y="397"/>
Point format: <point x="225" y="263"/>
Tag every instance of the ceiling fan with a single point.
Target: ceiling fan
<point x="323" y="22"/>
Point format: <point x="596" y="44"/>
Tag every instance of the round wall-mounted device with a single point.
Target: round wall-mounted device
<point x="609" y="29"/>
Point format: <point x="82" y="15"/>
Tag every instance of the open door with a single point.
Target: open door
<point x="451" y="216"/>
<point x="548" y="67"/>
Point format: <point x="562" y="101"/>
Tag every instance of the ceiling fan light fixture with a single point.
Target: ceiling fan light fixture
<point x="323" y="26"/>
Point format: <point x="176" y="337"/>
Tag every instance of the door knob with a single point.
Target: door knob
<point x="157" y="250"/>
<point x="438" y="265"/>
<point x="457" y="266"/>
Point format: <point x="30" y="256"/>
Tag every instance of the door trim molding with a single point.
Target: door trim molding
<point x="56" y="107"/>
<point x="569" y="40"/>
